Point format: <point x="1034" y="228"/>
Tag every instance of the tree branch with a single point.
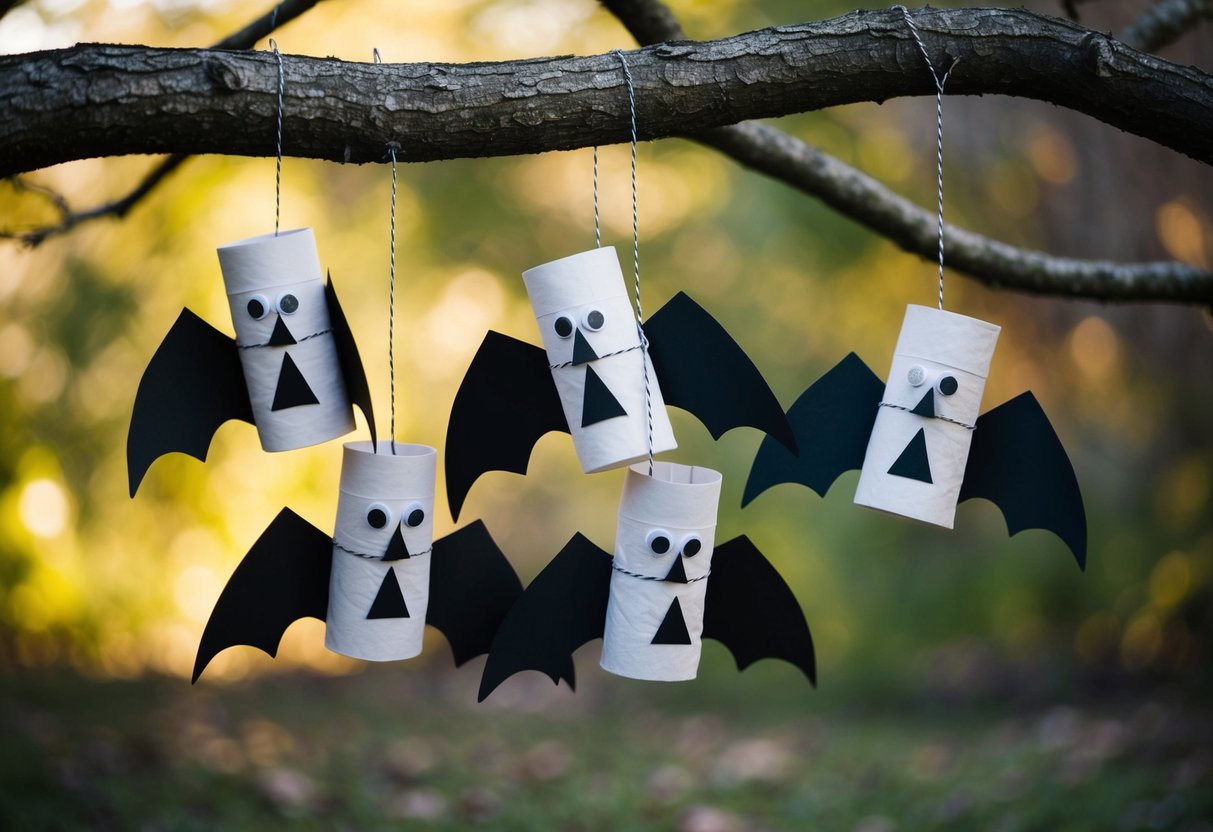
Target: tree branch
<point x="245" y="38"/>
<point x="856" y="195"/>
<point x="112" y="100"/>
<point x="997" y="264"/>
<point x="1165" y="22"/>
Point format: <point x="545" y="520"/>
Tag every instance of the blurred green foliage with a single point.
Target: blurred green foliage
<point x="116" y="587"/>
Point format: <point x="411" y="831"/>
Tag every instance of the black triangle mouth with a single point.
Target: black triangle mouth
<point x="598" y="403"/>
<point x="389" y="601"/>
<point x="293" y="389"/>
<point x="913" y="463"/>
<point x="673" y="629"/>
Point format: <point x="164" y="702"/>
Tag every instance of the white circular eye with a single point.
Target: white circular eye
<point x="258" y="307"/>
<point x="563" y="326"/>
<point x="691" y="546"/>
<point x="947" y="385"/>
<point x="658" y="541"/>
<point x="288" y="304"/>
<point x="378" y="515"/>
<point x="414" y="515"/>
<point x="593" y="320"/>
<point x="916" y="376"/>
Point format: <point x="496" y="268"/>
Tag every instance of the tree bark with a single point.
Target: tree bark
<point x="99" y="100"/>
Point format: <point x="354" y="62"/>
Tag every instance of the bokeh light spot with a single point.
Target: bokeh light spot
<point x="1181" y="232"/>
<point x="1095" y="348"/>
<point x="43" y="508"/>
<point x="1170" y="580"/>
<point x="1052" y="156"/>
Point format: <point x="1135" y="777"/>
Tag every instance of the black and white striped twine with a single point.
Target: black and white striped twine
<point x="939" y="82"/>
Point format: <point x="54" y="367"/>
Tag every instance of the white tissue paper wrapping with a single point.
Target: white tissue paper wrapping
<point x="398" y="482"/>
<point x="681" y="500"/>
<point x="272" y="266"/>
<point x="941" y="343"/>
<point x="573" y="287"/>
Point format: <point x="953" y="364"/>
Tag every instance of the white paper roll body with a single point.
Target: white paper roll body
<point x="379" y="588"/>
<point x="284" y="335"/>
<point x="588" y="327"/>
<point x="659" y="577"/>
<point x="919" y="447"/>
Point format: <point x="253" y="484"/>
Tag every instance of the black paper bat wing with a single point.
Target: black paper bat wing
<point x="283" y="578"/>
<point x="1017" y="462"/>
<point x="753" y="612"/>
<point x="505" y="403"/>
<point x="352" y="371"/>
<point x="704" y="371"/>
<point x="193" y="384"/>
<point x="562" y="609"/>
<point x="472" y="587"/>
<point x="832" y="421"/>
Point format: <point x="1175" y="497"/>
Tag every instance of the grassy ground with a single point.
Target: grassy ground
<point x="393" y="748"/>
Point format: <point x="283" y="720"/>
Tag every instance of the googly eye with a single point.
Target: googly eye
<point x="563" y="326"/>
<point x="658" y="541"/>
<point x="414" y="515"/>
<point x="947" y="385"/>
<point x="593" y="320"/>
<point x="691" y="546"/>
<point x="288" y="304"/>
<point x="258" y="307"/>
<point x="916" y="375"/>
<point x="378" y="515"/>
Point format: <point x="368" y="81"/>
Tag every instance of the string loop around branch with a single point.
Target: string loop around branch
<point x="940" y="81"/>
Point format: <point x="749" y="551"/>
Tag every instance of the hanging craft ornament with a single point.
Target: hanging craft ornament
<point x="602" y="376"/>
<point x="381" y="577"/>
<point x="582" y="298"/>
<point x="653" y="603"/>
<point x="917" y="439"/>
<point x="292" y="369"/>
<point x="378" y="580"/>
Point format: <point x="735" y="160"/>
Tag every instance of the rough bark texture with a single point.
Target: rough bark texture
<point x="854" y="194"/>
<point x="97" y="100"/>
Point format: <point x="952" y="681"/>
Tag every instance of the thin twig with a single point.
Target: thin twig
<point x="1166" y="22"/>
<point x="245" y="38"/>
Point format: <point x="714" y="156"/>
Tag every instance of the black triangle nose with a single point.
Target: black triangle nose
<point x="582" y="351"/>
<point x="677" y="574"/>
<point x="281" y="336"/>
<point x="926" y="406"/>
<point x="397" y="549"/>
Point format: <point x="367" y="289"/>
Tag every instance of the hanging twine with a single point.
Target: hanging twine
<point x="391" y="292"/>
<point x="597" y="221"/>
<point x="939" y="80"/>
<point x="644" y="341"/>
<point x="278" y="163"/>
